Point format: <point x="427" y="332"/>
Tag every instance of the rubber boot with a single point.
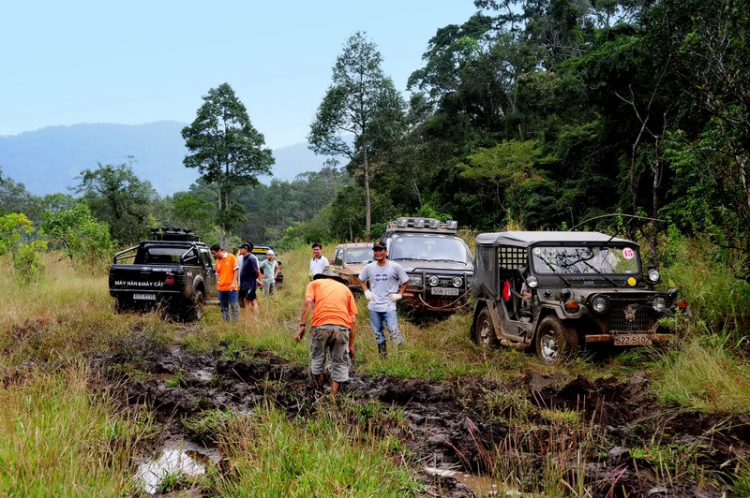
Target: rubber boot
<point x="383" y="350"/>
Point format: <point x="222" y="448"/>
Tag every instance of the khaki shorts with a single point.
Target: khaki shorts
<point x="335" y="338"/>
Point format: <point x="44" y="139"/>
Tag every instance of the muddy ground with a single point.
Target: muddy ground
<point x="466" y="425"/>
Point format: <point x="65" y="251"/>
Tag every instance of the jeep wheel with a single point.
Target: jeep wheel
<point x="485" y="330"/>
<point x="554" y="341"/>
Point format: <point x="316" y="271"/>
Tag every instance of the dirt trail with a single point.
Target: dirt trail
<point x="456" y="425"/>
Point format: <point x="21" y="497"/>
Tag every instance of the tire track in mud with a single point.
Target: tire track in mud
<point x="452" y="425"/>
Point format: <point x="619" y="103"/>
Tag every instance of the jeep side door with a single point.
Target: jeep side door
<point x="210" y="274"/>
<point x="516" y="321"/>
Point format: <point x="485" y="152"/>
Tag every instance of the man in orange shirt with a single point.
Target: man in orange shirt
<point x="228" y="271"/>
<point x="334" y="326"/>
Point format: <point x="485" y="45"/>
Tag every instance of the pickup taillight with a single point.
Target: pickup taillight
<point x="169" y="280"/>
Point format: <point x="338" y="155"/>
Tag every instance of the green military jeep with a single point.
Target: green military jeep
<point x="557" y="291"/>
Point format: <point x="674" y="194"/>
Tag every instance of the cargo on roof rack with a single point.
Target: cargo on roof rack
<point x="174" y="233"/>
<point x="406" y="224"/>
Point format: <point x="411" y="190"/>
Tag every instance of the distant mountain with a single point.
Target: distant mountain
<point x="48" y="160"/>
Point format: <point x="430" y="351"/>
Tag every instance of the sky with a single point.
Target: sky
<point x="134" y="62"/>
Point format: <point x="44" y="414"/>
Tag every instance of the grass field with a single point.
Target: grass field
<point x="63" y="433"/>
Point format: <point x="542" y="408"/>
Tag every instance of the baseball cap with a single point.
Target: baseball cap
<point x="270" y="252"/>
<point x="246" y="246"/>
<point x="379" y="245"/>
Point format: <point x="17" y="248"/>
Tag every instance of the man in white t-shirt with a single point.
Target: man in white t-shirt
<point x="318" y="262"/>
<point x="383" y="283"/>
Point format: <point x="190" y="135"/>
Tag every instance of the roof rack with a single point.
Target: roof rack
<point x="423" y="225"/>
<point x="174" y="233"/>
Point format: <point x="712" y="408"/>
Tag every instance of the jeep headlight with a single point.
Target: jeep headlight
<point x="532" y="282"/>
<point x="653" y="275"/>
<point x="433" y="280"/>
<point x="599" y="304"/>
<point x="415" y="280"/>
<point x="659" y="304"/>
<point x="458" y="281"/>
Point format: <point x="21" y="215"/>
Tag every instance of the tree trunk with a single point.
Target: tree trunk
<point x="416" y="191"/>
<point x="367" y="192"/>
<point x="218" y="186"/>
<point x="227" y="209"/>
<point x="655" y="200"/>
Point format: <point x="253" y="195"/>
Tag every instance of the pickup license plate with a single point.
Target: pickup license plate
<point x="444" y="291"/>
<point x="144" y="297"/>
<point x="632" y="340"/>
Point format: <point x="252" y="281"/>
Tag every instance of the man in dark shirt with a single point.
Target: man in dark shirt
<point x="249" y="275"/>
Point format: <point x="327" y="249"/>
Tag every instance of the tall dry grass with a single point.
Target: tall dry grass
<point x="57" y="439"/>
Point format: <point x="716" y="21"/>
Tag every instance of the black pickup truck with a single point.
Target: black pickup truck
<point x="173" y="272"/>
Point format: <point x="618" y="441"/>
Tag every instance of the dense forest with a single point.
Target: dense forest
<point x="538" y="114"/>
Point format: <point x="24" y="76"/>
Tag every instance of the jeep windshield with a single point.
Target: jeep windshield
<point x="586" y="260"/>
<point x="354" y="256"/>
<point x="437" y="248"/>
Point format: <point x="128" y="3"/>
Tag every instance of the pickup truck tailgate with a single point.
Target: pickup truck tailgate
<point x="144" y="278"/>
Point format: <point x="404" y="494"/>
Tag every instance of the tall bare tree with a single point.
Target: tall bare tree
<point x="359" y="93"/>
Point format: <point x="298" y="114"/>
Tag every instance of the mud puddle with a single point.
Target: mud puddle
<point x="467" y="424"/>
<point x="176" y="458"/>
<point x="481" y="486"/>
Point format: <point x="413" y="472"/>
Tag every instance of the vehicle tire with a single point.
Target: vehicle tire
<point x="195" y="308"/>
<point x="554" y="342"/>
<point x="121" y="305"/>
<point x="484" y="330"/>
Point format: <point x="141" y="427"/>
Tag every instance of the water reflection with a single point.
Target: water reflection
<point x="176" y="457"/>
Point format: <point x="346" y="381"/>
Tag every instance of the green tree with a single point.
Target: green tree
<point x="82" y="238"/>
<point x="115" y="195"/>
<point x="13" y="227"/>
<point x="509" y="170"/>
<point x="193" y="211"/>
<point x="227" y="151"/>
<point x="358" y="94"/>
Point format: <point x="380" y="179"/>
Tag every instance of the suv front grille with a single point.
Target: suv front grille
<point x="627" y="316"/>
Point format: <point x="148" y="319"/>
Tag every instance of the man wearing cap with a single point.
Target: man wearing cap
<point x="383" y="283"/>
<point x="334" y="326"/>
<point x="269" y="269"/>
<point x="249" y="277"/>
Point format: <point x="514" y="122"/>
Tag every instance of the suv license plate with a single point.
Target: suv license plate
<point x="145" y="297"/>
<point x="632" y="340"/>
<point x="444" y="291"/>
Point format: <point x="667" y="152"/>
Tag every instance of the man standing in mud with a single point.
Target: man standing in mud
<point x="334" y="326"/>
<point x="383" y="283"/>
<point x="228" y="272"/>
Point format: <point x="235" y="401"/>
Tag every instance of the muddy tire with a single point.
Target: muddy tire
<point x="121" y="305"/>
<point x="484" y="330"/>
<point x="554" y="342"/>
<point x="195" y="307"/>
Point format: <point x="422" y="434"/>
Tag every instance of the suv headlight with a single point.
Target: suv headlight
<point x="599" y="304"/>
<point x="653" y="275"/>
<point x="415" y="279"/>
<point x="458" y="281"/>
<point x="433" y="280"/>
<point x="659" y="304"/>
<point x="532" y="282"/>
